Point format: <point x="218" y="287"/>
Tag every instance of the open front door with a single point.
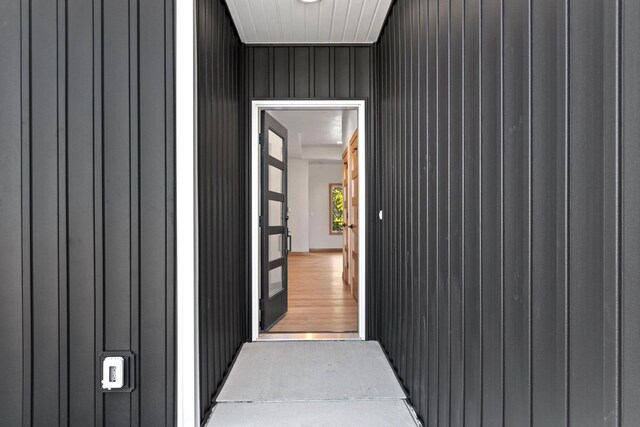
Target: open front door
<point x="273" y="222"/>
<point x="345" y="214"/>
<point x="353" y="213"/>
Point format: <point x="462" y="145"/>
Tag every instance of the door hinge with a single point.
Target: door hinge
<point x="260" y="221"/>
<point x="260" y="139"/>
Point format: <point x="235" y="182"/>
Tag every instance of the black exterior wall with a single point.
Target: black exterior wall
<point x="87" y="200"/>
<point x="502" y="281"/>
<point x="308" y="72"/>
<point x="230" y="75"/>
<point x="311" y="72"/>
<point x="222" y="179"/>
<point x="504" y="274"/>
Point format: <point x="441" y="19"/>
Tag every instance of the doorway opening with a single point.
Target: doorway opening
<point x="307" y="193"/>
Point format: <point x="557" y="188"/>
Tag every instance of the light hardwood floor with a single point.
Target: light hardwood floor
<point x="319" y="301"/>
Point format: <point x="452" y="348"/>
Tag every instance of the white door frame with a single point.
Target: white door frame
<point x="272" y="104"/>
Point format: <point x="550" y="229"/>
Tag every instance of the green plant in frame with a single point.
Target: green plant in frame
<point x="337" y="208"/>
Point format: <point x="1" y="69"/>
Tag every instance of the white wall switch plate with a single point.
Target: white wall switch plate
<point x="112" y="373"/>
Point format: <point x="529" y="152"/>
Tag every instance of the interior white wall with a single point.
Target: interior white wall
<point x="320" y="176"/>
<point x="349" y="125"/>
<point x="298" y="200"/>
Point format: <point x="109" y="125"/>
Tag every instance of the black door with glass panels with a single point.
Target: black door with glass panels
<point x="273" y="221"/>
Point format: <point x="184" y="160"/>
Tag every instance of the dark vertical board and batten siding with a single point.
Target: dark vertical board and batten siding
<point x="222" y="179"/>
<point x="87" y="209"/>
<point x="521" y="307"/>
<point x="308" y="72"/>
<point x="503" y="153"/>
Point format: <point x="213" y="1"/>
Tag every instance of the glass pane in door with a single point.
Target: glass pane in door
<point x="275" y="247"/>
<point x="275" y="213"/>
<point x="275" y="145"/>
<point x="275" y="180"/>
<point x="275" y="281"/>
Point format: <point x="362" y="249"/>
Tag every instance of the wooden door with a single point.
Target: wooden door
<point x="353" y="213"/>
<point x="345" y="221"/>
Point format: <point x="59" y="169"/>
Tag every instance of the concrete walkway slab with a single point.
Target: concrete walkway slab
<point x="355" y="413"/>
<point x="310" y="370"/>
<point x="311" y="383"/>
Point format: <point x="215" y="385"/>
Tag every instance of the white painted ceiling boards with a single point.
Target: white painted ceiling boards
<point x="293" y="21"/>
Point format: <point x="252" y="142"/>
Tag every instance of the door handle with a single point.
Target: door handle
<point x="351" y="226"/>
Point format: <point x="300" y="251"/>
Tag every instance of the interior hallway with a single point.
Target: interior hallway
<point x="319" y="301"/>
<point x="311" y="383"/>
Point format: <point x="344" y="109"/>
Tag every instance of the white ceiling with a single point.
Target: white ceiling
<point x="312" y="134"/>
<point x="292" y="21"/>
<point x="314" y="128"/>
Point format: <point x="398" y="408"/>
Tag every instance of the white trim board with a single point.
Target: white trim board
<point x="187" y="361"/>
<point x="256" y="107"/>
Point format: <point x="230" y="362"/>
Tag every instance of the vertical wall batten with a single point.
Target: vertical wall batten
<point x="63" y="280"/>
<point x="26" y="253"/>
<point x="135" y="202"/>
<point x="432" y="209"/>
<point x="98" y="212"/>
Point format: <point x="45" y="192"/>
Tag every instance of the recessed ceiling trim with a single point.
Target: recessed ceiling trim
<point x="274" y="22"/>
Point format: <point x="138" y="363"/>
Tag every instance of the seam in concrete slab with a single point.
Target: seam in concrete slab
<point x="355" y="399"/>
<point x="237" y="413"/>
